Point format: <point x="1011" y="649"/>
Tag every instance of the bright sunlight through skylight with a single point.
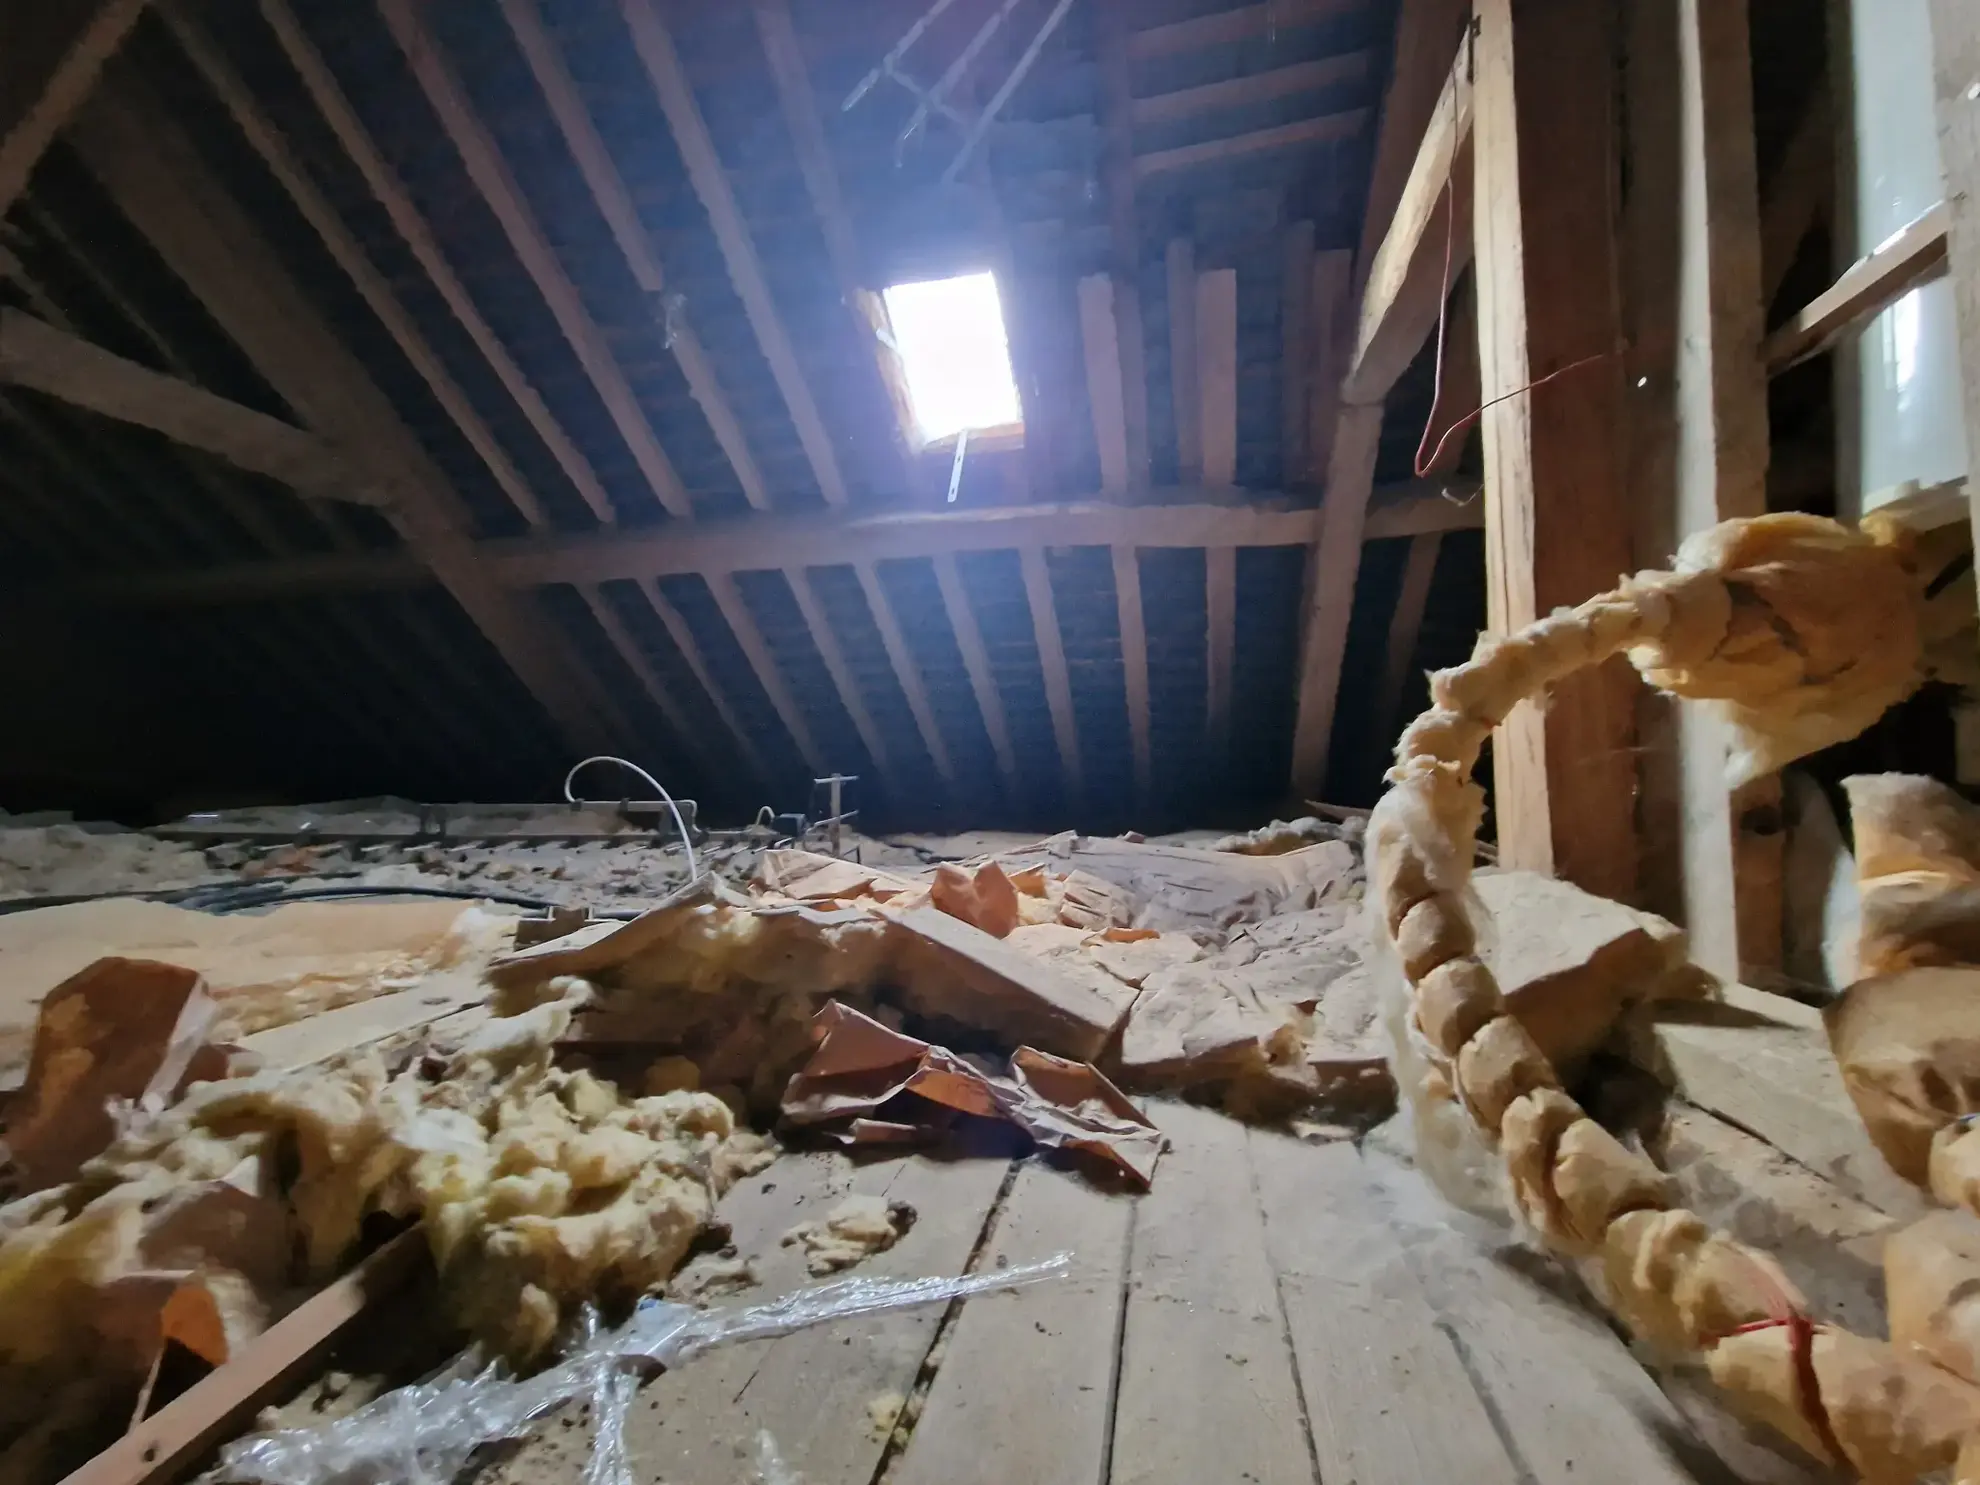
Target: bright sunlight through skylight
<point x="950" y="334"/>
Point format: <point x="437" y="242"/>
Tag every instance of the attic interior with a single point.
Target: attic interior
<point x="1100" y="741"/>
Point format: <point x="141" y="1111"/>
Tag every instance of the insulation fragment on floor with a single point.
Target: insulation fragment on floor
<point x="850" y="1233"/>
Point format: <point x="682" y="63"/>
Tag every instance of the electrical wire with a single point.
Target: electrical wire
<point x="694" y="871"/>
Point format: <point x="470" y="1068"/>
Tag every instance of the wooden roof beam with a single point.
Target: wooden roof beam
<point x="906" y="672"/>
<point x="1052" y="663"/>
<point x="622" y="640"/>
<point x="1863" y="290"/>
<point x="1215" y="332"/>
<point x="38" y="356"/>
<point x="51" y="59"/>
<point x="1106" y="398"/>
<point x="756" y="650"/>
<point x="615" y="204"/>
<point x="1427" y="244"/>
<point x="690" y="652"/>
<point x="976" y="661"/>
<point x="1123" y="232"/>
<point x="711" y="184"/>
<point x="834" y="660"/>
<point x="1326" y="129"/>
<point x="151" y="171"/>
<point x="497" y="186"/>
<point x="391" y="194"/>
<point x="1134" y="666"/>
<point x="1274" y="82"/>
<point x="1410" y="509"/>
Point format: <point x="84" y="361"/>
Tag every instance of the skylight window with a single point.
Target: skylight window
<point x="950" y="336"/>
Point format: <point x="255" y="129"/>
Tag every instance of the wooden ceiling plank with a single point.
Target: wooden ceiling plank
<point x="1428" y="242"/>
<point x="834" y="658"/>
<point x="1052" y="662"/>
<point x="52" y="58"/>
<point x="151" y="171"/>
<point x="906" y="672"/>
<point x="391" y="194"/>
<point x="1134" y="665"/>
<point x="1325" y="129"/>
<point x="1410" y="509"/>
<point x="1184" y="395"/>
<point x="498" y="188"/>
<point x="976" y="660"/>
<point x="756" y="650"/>
<point x="1239" y="24"/>
<point x="711" y="184"/>
<point x="36" y="355"/>
<point x="1274" y="82"/>
<point x="615" y="204"/>
<point x="1217" y="374"/>
<point x="349" y="255"/>
<point x="1801" y="189"/>
<point x="1100" y="339"/>
<point x="1123" y="230"/>
<point x="690" y="651"/>
<point x="1220" y="646"/>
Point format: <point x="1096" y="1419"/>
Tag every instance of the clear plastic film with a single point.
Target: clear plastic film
<point x="423" y="1434"/>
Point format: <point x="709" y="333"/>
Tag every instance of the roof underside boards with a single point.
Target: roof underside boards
<point x="408" y="170"/>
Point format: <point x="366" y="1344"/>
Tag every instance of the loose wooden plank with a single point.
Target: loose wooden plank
<point x="1104" y="393"/>
<point x="1914" y="256"/>
<point x="1184" y="396"/>
<point x="1387" y="1395"/>
<point x="37" y="355"/>
<point x="1406" y="280"/>
<point x="810" y="1390"/>
<point x="906" y="672"/>
<point x="1025" y="1391"/>
<point x="1325" y="129"/>
<point x="615" y="204"/>
<point x="1955" y="66"/>
<point x="1273" y="82"/>
<point x="1207" y="1388"/>
<point x="1052" y="662"/>
<point x="742" y="624"/>
<point x="1216" y="373"/>
<point x="655" y="48"/>
<point x="976" y="661"/>
<point x="53" y="56"/>
<point x="1134" y="663"/>
<point x="172" y="1440"/>
<point x="1220" y="661"/>
<point x="497" y="186"/>
<point x="1558" y="522"/>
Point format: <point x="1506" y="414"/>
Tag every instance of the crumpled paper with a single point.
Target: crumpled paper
<point x="881" y="1086"/>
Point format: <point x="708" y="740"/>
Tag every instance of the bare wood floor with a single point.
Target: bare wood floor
<point x="1272" y="1313"/>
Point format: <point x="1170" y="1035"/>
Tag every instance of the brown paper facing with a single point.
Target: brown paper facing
<point x="1908" y="1047"/>
<point x="121" y="1029"/>
<point x="861" y="1067"/>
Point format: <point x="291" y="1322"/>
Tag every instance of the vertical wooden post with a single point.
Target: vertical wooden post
<point x="1698" y="436"/>
<point x="1956" y="63"/>
<point x="1556" y="520"/>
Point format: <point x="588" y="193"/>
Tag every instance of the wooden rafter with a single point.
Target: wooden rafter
<point x="678" y="631"/>
<point x="1217" y="374"/>
<point x="976" y="661"/>
<point x="1052" y="663"/>
<point x="906" y="673"/>
<point x="615" y="204"/>
<point x="36" y="355"/>
<point x="130" y="144"/>
<point x="1123" y="231"/>
<point x="1239" y="24"/>
<point x="623" y="641"/>
<point x="711" y="184"/>
<point x="1134" y="665"/>
<point x="412" y="227"/>
<point x="1184" y="394"/>
<point x="1099" y="335"/>
<point x="834" y="660"/>
<point x="742" y="545"/>
<point x="1427" y="34"/>
<point x="1325" y="129"/>
<point x="1428" y="240"/>
<point x="1862" y="291"/>
<point x="1220" y="646"/>
<point x="50" y="59"/>
<point x="1274" y="82"/>
<point x="756" y="650"/>
<point x="498" y="188"/>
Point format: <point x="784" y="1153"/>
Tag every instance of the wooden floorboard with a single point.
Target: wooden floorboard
<point x="1026" y="1389"/>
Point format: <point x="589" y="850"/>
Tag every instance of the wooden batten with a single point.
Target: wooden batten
<point x="1296" y="341"/>
<point x="1134" y="665"/>
<point x="976" y="661"/>
<point x="1220" y="645"/>
<point x="1274" y="82"/>
<point x="1184" y="395"/>
<point x="1331" y="307"/>
<point x="676" y="625"/>
<point x="756" y="650"/>
<point x="1802" y="188"/>
<point x="1324" y="130"/>
<point x="907" y="674"/>
<point x="48" y="67"/>
<point x="1104" y="392"/>
<point x="1216" y="373"/>
<point x="1052" y="663"/>
<point x="834" y="660"/>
